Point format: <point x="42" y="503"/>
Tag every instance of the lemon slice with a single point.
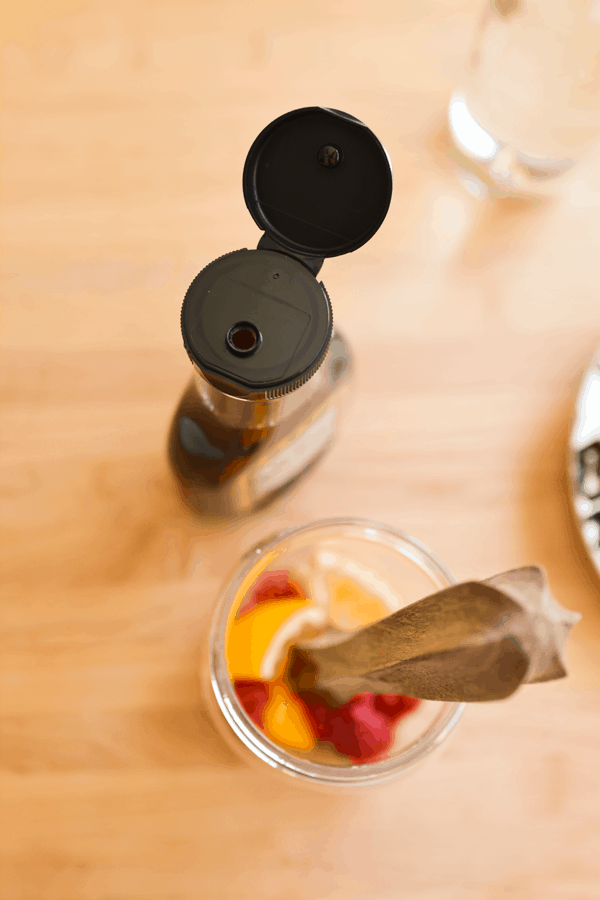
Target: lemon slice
<point x="305" y="623"/>
<point x="285" y="721"/>
<point x="249" y="637"/>
<point x="351" y="607"/>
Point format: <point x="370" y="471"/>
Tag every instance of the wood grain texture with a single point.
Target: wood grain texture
<point x="124" y="130"/>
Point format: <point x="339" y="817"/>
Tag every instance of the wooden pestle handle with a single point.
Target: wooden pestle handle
<point x="469" y="642"/>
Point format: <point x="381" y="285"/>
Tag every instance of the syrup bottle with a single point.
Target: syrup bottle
<point x="269" y="369"/>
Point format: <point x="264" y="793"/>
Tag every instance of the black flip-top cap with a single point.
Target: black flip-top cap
<point x="318" y="182"/>
<point x="257" y="319"/>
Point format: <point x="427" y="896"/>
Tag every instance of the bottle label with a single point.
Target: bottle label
<point x="296" y="455"/>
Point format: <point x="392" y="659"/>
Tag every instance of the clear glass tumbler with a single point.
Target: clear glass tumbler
<point x="528" y="107"/>
<point x="397" y="567"/>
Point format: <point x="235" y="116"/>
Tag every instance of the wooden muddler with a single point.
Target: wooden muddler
<point x="470" y="642"/>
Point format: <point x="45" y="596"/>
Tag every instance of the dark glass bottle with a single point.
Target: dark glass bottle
<point x="269" y="370"/>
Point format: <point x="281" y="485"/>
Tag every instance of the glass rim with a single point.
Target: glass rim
<point x="252" y="737"/>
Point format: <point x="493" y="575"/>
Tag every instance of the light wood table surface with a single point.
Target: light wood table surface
<point x="125" y="126"/>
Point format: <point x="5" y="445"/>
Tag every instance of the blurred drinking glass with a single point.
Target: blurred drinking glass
<point x="528" y="107"/>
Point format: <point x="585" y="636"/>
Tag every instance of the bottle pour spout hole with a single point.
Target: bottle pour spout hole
<point x="329" y="156"/>
<point x="243" y="338"/>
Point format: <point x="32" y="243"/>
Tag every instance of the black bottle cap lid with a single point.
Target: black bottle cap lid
<point x="318" y="182"/>
<point x="258" y="320"/>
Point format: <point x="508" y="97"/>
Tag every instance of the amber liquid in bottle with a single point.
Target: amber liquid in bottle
<point x="235" y="454"/>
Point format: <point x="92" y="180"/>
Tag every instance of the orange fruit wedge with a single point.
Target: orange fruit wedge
<point x="285" y="720"/>
<point x="350" y="607"/>
<point x="249" y="637"/>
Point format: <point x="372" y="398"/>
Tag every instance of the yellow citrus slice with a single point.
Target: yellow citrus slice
<point x="305" y="623"/>
<point x="285" y="721"/>
<point x="350" y="607"/>
<point x="249" y="637"/>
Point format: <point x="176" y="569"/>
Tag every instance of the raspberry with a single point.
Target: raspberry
<point x="253" y="695"/>
<point x="358" y="730"/>
<point x="363" y="728"/>
<point x="271" y="586"/>
<point x="395" y="706"/>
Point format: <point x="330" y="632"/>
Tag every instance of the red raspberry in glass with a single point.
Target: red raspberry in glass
<point x="271" y="586"/>
<point x="358" y="730"/>
<point x="253" y="695"/>
<point x="395" y="706"/>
